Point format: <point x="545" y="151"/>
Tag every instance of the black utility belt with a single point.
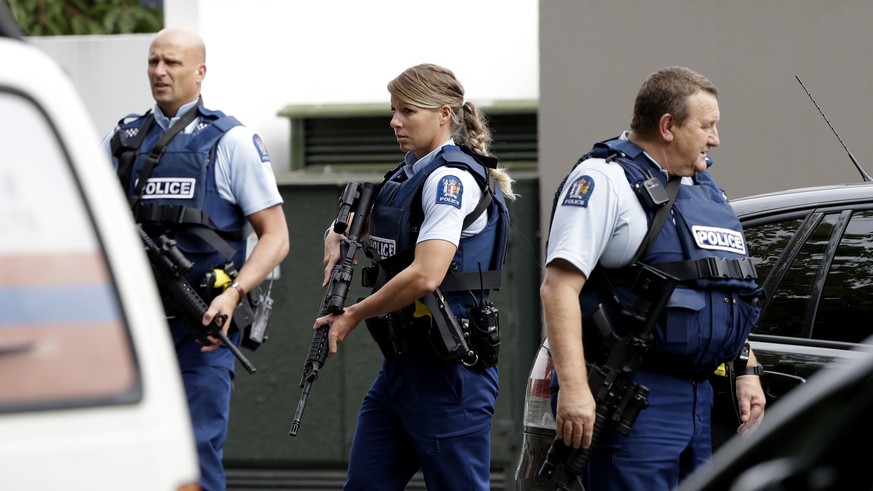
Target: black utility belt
<point x="430" y="327"/>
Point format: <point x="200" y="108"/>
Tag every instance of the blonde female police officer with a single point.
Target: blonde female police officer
<point x="423" y="411"/>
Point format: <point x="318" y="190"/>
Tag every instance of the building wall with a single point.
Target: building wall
<point x="584" y="60"/>
<point x="263" y="55"/>
<point x="594" y="56"/>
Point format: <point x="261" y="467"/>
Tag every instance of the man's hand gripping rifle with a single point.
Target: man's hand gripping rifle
<point x="170" y="266"/>
<point x="619" y="400"/>
<point x="359" y="197"/>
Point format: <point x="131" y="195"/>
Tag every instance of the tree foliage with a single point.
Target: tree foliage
<point x="62" y="17"/>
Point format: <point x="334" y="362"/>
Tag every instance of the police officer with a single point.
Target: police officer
<point x="204" y="180"/>
<point x="601" y="215"/>
<point x="428" y="409"/>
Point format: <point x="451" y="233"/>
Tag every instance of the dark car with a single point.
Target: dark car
<point x="813" y="251"/>
<point x="816" y="438"/>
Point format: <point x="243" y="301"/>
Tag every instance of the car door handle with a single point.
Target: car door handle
<point x="777" y="384"/>
<point x="15" y="348"/>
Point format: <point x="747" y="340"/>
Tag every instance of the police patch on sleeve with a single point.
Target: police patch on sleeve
<point x="719" y="239"/>
<point x="449" y="191"/>
<point x="579" y="192"/>
<point x="261" y="148"/>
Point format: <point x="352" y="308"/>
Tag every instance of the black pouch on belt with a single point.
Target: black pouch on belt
<point x="380" y="329"/>
<point x="484" y="326"/>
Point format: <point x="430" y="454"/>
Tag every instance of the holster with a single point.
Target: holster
<point x="383" y="330"/>
<point x="429" y="324"/>
<point x="257" y="309"/>
<point x="445" y="334"/>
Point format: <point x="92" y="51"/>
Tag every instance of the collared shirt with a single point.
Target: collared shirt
<point x="243" y="174"/>
<point x="607" y="223"/>
<point x="444" y="218"/>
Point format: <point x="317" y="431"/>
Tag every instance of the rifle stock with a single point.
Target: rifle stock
<point x="619" y="400"/>
<point x="338" y="287"/>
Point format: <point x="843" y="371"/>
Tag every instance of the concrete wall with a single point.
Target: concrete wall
<point x="584" y="60"/>
<point x="594" y="56"/>
<point x="265" y="54"/>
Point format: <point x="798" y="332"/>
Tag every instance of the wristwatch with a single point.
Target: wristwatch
<point x="755" y="370"/>
<point x="239" y="289"/>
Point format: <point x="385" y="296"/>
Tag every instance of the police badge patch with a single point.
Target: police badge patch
<point x="261" y="148"/>
<point x="449" y="191"/>
<point x="580" y="191"/>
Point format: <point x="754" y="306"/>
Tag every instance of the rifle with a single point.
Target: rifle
<point x="171" y="266"/>
<point x="619" y="400"/>
<point x="361" y="197"/>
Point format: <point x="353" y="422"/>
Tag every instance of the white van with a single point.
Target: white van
<point x="90" y="392"/>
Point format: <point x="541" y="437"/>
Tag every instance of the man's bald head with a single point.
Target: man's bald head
<point x="177" y="67"/>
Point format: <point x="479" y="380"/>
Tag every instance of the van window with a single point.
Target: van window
<point x="63" y="337"/>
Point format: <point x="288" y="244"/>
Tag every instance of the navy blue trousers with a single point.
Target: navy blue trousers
<point x="422" y="413"/>
<point x="207" y="378"/>
<point x="669" y="439"/>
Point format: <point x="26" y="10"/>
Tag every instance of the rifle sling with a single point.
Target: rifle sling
<point x="659" y="220"/>
<point x="655" y="229"/>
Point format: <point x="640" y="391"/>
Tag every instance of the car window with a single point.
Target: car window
<point x="787" y="309"/>
<point x="63" y="338"/>
<point x="767" y="242"/>
<point x="833" y="267"/>
<point x="846" y="305"/>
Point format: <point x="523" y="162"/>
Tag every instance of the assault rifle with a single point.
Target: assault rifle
<point x="361" y="198"/>
<point x="171" y="266"/>
<point x="619" y="400"/>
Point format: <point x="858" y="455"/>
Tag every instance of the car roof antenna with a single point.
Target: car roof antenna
<point x="864" y="175"/>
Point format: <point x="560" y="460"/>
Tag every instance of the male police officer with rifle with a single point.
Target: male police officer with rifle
<point x="645" y="197"/>
<point x="611" y="375"/>
<point x="204" y="180"/>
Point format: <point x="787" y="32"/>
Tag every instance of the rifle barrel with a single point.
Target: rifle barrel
<point x="334" y="298"/>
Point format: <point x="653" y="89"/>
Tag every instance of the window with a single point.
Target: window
<point x="845" y="311"/>
<point x="63" y="337"/>
<point x="358" y="137"/>
<point x="790" y="301"/>
<point x="767" y="244"/>
<point x="819" y="275"/>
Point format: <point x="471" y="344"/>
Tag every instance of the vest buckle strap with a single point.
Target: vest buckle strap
<point x="747" y="268"/>
<point x="717" y="267"/>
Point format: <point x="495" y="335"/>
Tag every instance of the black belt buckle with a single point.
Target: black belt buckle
<point x="718" y="267"/>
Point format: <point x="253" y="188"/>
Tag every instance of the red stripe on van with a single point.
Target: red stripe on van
<point x="48" y="269"/>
